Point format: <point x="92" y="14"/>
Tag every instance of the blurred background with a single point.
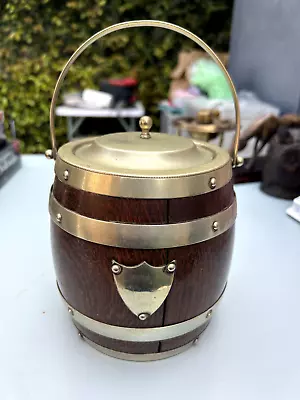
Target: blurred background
<point x="38" y="37"/>
<point x="145" y="70"/>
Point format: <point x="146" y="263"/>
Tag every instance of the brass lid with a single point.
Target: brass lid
<point x="143" y="155"/>
<point x="140" y="165"/>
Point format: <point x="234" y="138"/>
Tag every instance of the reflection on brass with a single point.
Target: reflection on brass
<point x="143" y="287"/>
<point x="66" y="175"/>
<point x="145" y="125"/>
<point x="141" y="334"/>
<point x="125" y="154"/>
<point x="239" y="162"/>
<point x="137" y="236"/>
<point x="133" y="24"/>
<point x="49" y="154"/>
<point x="212" y="183"/>
<point x="137" y="357"/>
<point x="215" y="226"/>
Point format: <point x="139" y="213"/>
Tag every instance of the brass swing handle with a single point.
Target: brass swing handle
<point x="133" y="24"/>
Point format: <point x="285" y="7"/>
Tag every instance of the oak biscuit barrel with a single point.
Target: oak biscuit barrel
<point x="142" y="230"/>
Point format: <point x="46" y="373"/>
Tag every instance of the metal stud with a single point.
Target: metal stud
<point x="116" y="269"/>
<point x="215" y="226"/>
<point x="238" y="162"/>
<point x="196" y="341"/>
<point x="171" y="267"/>
<point x="70" y="311"/>
<point x="66" y="175"/>
<point x="212" y="183"/>
<point x="49" y="154"/>
<point x="80" y="335"/>
<point x="143" y="316"/>
<point x="58" y="218"/>
<point x="208" y="315"/>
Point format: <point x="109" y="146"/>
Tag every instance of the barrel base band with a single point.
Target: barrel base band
<point x="137" y="357"/>
<point x="140" y="334"/>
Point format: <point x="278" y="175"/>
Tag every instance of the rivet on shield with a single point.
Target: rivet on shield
<point x="171" y="267"/>
<point x="143" y="316"/>
<point x="116" y="269"/>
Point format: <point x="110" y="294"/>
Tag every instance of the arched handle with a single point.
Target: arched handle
<point x="133" y="24"/>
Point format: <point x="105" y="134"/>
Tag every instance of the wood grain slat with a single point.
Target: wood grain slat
<point x="84" y="275"/>
<point x="189" y="208"/>
<point x="200" y="277"/>
<point x="143" y="211"/>
<point x="107" y="208"/>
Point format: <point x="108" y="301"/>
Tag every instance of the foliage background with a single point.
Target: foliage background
<point x="38" y="36"/>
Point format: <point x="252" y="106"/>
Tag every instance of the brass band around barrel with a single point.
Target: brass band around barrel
<point x="137" y="236"/>
<point x="140" y="334"/>
<point x="137" y="357"/>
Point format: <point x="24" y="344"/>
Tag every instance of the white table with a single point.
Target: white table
<point x="251" y="350"/>
<point x="75" y="116"/>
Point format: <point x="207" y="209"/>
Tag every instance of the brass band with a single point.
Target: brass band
<point x="136" y="236"/>
<point x="141" y="23"/>
<point x="82" y="178"/>
<point x="137" y="357"/>
<point x="140" y="334"/>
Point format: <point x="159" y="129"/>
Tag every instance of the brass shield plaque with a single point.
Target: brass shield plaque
<point x="143" y="287"/>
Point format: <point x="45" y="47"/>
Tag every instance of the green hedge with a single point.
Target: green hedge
<point x="37" y="38"/>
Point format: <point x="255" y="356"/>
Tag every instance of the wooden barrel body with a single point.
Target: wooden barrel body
<point x="86" y="281"/>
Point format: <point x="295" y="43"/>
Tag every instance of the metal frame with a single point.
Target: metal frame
<point x="134" y="24"/>
<point x="73" y="127"/>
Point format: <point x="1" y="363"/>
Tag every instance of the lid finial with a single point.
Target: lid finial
<point x="145" y="125"/>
